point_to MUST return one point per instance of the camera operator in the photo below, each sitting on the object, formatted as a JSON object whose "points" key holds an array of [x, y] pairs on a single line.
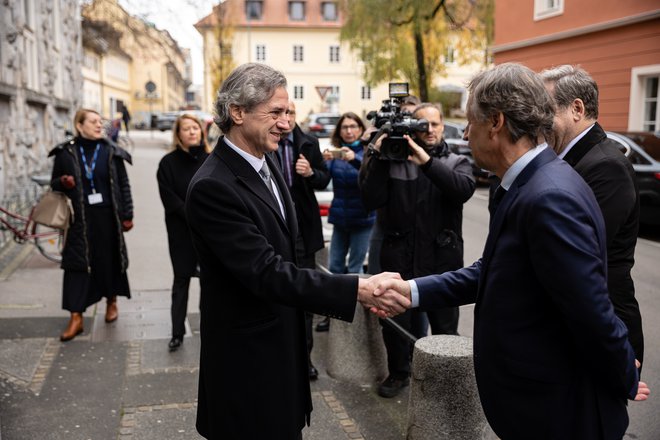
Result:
{"points": [[420, 212]]}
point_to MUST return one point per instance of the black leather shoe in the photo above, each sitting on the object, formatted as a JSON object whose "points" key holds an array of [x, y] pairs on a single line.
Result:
{"points": [[392, 387], [175, 343], [324, 325], [313, 372]]}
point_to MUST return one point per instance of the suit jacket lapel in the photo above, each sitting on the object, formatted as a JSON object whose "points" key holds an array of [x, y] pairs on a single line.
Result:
{"points": [[249, 178], [586, 143], [501, 213], [285, 195]]}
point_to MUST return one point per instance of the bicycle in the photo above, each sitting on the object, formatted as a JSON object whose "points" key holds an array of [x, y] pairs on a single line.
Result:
{"points": [[125, 142], [112, 129], [49, 241]]}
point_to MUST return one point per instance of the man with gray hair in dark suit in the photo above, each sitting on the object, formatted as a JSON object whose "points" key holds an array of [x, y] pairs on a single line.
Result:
{"points": [[580, 140], [253, 377]]}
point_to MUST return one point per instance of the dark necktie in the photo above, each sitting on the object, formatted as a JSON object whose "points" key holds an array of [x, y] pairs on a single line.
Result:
{"points": [[264, 172], [497, 198], [287, 160]]}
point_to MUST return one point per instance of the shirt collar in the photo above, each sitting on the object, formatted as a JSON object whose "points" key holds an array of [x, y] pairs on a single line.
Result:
{"points": [[575, 140], [520, 164], [254, 161]]}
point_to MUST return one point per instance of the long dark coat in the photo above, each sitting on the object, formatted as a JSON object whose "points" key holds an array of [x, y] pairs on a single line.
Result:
{"points": [[302, 190], [612, 179], [550, 355], [253, 378], [75, 255], [175, 171], [420, 210]]}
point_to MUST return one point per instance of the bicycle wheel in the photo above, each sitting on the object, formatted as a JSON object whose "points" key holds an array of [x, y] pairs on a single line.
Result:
{"points": [[49, 241]]}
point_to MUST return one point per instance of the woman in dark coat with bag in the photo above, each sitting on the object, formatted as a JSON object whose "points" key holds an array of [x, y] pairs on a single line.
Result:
{"points": [[175, 171], [90, 170]]}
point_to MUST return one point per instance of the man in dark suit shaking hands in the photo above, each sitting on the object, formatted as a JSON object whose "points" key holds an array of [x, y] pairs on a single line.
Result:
{"points": [[580, 141], [253, 379], [552, 360]]}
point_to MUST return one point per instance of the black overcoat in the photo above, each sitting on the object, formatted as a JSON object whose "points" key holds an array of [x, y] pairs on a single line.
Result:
{"points": [[253, 379], [420, 210], [175, 171], [75, 254], [611, 177], [302, 190]]}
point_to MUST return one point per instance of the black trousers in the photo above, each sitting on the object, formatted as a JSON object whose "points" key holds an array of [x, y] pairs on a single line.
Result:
{"points": [[399, 351], [180, 288]]}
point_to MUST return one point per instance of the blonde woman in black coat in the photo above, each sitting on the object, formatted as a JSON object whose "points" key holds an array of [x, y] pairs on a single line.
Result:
{"points": [[90, 170], [176, 169]]}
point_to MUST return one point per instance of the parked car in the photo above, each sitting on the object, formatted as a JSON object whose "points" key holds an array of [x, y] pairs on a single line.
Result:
{"points": [[460, 146], [320, 125], [166, 120], [453, 130], [643, 151]]}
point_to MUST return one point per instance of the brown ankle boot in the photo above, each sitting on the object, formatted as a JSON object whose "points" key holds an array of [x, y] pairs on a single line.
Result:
{"points": [[111, 312], [74, 328]]}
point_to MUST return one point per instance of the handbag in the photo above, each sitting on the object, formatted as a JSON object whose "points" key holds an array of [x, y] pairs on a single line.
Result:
{"points": [[54, 209]]}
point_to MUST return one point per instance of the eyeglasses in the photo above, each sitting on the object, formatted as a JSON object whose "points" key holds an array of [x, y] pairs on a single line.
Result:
{"points": [[350, 127]]}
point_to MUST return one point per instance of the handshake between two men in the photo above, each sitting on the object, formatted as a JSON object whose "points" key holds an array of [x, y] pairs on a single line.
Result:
{"points": [[385, 294]]}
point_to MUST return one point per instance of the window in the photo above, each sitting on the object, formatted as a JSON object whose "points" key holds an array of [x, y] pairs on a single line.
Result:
{"points": [[329, 11], [644, 107], [118, 68], [650, 122], [450, 55], [298, 54], [334, 91], [261, 52], [334, 54], [253, 9], [547, 8], [298, 92], [296, 11], [91, 61], [365, 93]]}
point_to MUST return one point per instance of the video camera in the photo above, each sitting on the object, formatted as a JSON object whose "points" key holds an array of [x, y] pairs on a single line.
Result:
{"points": [[391, 120]]}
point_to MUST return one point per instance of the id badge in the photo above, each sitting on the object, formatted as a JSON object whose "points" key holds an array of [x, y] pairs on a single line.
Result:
{"points": [[95, 198]]}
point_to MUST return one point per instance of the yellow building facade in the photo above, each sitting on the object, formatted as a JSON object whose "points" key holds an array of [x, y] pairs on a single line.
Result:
{"points": [[301, 43], [141, 55]]}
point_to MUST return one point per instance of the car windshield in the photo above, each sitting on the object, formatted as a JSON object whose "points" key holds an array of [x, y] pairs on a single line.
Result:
{"points": [[328, 120]]}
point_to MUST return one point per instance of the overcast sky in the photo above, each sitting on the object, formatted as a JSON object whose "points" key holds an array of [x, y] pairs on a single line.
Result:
{"points": [[177, 17]]}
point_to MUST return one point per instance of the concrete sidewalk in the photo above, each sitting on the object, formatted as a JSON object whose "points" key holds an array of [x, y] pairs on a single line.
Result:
{"points": [[118, 381]]}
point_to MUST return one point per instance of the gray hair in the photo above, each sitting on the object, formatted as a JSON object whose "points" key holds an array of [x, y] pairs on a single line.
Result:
{"points": [[519, 94], [571, 82], [247, 86], [424, 105]]}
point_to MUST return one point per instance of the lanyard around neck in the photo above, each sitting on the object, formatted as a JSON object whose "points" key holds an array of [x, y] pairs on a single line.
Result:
{"points": [[89, 169]]}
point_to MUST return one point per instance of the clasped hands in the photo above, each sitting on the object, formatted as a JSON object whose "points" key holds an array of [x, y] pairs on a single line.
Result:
{"points": [[385, 294]]}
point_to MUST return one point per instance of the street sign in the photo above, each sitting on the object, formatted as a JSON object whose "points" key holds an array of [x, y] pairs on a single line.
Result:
{"points": [[150, 86], [323, 91]]}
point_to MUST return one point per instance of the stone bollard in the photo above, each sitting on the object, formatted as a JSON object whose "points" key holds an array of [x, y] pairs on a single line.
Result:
{"points": [[356, 352], [444, 402]]}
